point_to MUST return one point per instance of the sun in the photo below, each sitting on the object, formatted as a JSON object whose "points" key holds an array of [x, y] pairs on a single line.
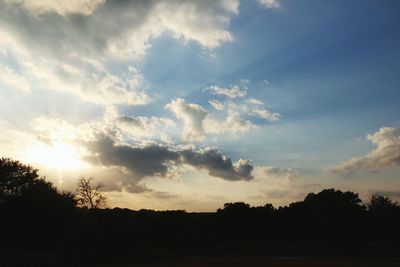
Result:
{"points": [[60, 156]]}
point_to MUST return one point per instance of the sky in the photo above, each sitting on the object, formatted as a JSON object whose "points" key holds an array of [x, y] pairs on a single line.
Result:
{"points": [[191, 104]]}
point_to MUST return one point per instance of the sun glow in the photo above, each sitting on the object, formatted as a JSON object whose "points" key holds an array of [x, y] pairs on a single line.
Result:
{"points": [[60, 156]]}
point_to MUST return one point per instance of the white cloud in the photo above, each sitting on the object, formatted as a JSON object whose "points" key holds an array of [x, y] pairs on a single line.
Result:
{"points": [[38, 7], [231, 125], [52, 130], [228, 117], [14, 79], [254, 101], [69, 53], [281, 184], [198, 124], [270, 3], [126, 26], [288, 173], [13, 141], [97, 85], [201, 21], [192, 116], [386, 154], [145, 127], [236, 102], [232, 92], [265, 114], [85, 78], [216, 104]]}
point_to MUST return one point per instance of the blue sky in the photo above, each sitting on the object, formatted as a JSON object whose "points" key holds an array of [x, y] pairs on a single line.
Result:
{"points": [[188, 104]]}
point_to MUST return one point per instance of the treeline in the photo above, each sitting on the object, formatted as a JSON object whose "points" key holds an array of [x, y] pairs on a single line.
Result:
{"points": [[35, 216]]}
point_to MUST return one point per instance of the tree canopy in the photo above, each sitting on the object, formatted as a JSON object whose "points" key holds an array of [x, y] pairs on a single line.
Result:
{"points": [[21, 186], [379, 203], [331, 199]]}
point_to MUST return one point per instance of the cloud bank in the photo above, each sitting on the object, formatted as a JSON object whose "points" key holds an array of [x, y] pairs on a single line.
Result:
{"points": [[63, 8], [57, 45]]}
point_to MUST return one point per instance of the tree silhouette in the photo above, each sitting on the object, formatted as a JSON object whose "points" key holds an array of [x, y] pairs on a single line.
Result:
{"points": [[329, 200], [89, 195], [21, 186], [379, 203], [15, 178], [236, 208]]}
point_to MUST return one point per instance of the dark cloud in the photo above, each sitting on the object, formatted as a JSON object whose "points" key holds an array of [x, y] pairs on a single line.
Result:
{"points": [[149, 160], [217, 164], [158, 160]]}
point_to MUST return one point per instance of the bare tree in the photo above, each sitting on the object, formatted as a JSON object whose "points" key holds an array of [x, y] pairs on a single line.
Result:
{"points": [[89, 195]]}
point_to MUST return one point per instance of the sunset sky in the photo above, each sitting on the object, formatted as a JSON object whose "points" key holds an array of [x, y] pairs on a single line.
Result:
{"points": [[190, 104]]}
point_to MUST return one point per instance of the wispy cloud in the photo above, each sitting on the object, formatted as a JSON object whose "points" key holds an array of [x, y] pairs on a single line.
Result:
{"points": [[265, 114], [270, 3], [14, 79], [232, 92]]}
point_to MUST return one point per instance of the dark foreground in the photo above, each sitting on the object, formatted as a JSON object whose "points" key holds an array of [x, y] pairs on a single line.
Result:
{"points": [[40, 226], [307, 233], [46, 259]]}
